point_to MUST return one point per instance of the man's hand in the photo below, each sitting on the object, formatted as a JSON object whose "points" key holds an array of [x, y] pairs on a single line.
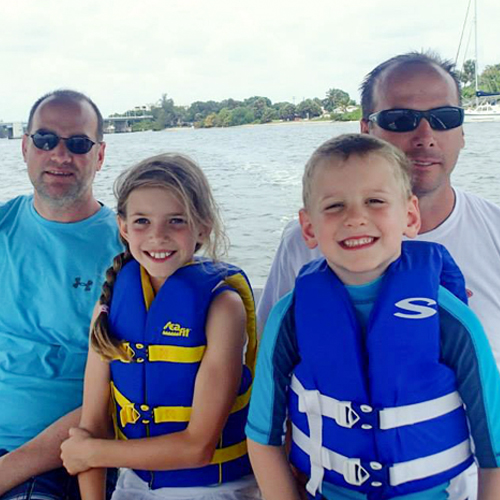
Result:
{"points": [[75, 451]]}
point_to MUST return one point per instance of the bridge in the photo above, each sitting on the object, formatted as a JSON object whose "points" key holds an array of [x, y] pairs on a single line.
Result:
{"points": [[112, 124], [119, 124]]}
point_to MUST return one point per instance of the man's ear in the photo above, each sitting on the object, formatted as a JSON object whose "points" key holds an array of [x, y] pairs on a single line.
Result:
{"points": [[24, 146], [307, 229], [123, 228], [100, 155], [364, 126], [413, 222]]}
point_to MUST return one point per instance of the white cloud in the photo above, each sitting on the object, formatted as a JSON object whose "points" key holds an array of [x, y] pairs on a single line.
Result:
{"points": [[126, 53]]}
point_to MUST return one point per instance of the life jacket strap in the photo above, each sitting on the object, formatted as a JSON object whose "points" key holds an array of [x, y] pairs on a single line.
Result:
{"points": [[138, 353], [357, 472], [240, 284], [175, 354], [223, 455], [347, 414], [129, 414]]}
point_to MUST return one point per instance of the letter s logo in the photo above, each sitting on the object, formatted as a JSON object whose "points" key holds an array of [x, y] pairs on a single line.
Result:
{"points": [[422, 311]]}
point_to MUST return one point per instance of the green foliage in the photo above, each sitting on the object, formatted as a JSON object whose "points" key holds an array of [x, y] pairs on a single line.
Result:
{"points": [[336, 98], [242, 115], [142, 125], [308, 109], [466, 76], [268, 115], [285, 110], [209, 121], [348, 116], [229, 112], [489, 80]]}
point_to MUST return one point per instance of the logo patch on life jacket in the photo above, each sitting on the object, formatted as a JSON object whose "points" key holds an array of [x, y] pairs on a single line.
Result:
{"points": [[416, 311], [175, 330]]}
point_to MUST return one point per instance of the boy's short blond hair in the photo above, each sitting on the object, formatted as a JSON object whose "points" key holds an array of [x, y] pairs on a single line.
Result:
{"points": [[342, 147]]}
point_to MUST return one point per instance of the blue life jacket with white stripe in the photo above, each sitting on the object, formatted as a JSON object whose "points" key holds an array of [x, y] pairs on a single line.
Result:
{"points": [[165, 337], [365, 406]]}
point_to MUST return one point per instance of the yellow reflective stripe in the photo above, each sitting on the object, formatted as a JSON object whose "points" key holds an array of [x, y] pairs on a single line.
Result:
{"points": [[147, 288], [241, 401], [112, 412], [128, 413], [230, 453], [162, 414], [119, 435], [176, 354], [240, 284]]}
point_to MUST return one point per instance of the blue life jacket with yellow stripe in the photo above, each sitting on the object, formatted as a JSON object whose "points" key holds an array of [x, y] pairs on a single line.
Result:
{"points": [[165, 336], [377, 411]]}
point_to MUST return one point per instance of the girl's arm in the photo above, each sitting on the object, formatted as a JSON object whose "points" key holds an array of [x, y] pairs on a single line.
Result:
{"points": [[272, 471], [95, 422], [215, 392], [489, 484]]}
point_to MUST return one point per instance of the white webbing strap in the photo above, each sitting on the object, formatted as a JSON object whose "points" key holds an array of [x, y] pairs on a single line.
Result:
{"points": [[350, 468], [419, 468], [340, 411], [389, 418], [310, 401], [430, 465]]}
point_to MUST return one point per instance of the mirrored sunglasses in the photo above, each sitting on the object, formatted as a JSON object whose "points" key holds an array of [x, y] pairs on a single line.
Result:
{"points": [[406, 120]]}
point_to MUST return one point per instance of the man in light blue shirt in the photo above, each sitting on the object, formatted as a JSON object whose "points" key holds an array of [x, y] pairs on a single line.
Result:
{"points": [[55, 246]]}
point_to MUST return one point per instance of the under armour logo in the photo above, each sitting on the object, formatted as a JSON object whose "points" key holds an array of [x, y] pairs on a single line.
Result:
{"points": [[78, 282]]}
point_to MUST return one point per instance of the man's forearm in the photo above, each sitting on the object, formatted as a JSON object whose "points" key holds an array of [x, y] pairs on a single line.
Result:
{"points": [[37, 456]]}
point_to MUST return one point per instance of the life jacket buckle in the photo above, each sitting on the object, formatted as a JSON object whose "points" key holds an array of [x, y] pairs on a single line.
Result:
{"points": [[345, 415], [354, 473]]}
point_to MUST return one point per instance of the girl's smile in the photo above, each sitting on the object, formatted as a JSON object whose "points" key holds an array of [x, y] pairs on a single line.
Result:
{"points": [[158, 232]]}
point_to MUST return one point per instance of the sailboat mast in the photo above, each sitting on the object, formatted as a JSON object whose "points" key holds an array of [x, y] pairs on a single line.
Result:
{"points": [[476, 66]]}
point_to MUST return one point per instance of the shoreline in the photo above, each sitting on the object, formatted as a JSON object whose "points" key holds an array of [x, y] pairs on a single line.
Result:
{"points": [[247, 125]]}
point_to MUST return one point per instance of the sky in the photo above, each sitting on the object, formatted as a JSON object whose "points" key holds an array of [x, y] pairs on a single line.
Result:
{"points": [[128, 53]]}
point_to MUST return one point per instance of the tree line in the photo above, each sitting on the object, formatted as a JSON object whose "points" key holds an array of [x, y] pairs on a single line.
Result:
{"points": [[232, 112], [336, 105], [488, 80]]}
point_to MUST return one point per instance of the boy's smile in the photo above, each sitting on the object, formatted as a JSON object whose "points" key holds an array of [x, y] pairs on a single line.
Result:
{"points": [[358, 215]]}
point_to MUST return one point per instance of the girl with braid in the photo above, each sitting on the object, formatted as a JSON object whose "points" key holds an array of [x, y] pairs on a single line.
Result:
{"points": [[172, 350]]}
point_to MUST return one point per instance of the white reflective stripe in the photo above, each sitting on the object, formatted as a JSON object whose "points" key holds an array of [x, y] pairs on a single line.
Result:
{"points": [[400, 473], [430, 465], [389, 418]]}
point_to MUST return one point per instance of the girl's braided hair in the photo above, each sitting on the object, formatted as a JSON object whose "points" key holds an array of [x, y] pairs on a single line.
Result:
{"points": [[184, 179]]}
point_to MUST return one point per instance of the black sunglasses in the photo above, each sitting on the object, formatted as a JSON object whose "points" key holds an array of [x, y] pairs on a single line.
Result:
{"points": [[406, 120], [76, 144]]}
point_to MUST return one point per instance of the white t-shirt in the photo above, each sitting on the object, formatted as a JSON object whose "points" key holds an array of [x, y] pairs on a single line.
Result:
{"points": [[471, 234]]}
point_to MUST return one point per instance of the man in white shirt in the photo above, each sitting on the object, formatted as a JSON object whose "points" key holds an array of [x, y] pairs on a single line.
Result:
{"points": [[413, 101]]}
